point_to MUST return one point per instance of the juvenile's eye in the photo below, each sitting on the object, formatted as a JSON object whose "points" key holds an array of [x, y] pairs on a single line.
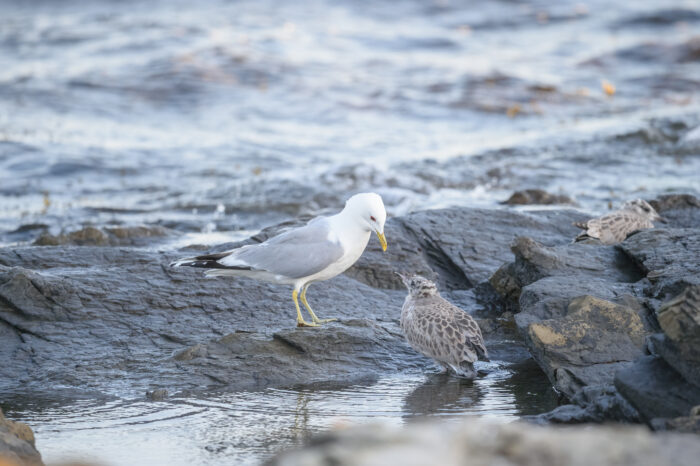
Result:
{"points": [[372, 218]]}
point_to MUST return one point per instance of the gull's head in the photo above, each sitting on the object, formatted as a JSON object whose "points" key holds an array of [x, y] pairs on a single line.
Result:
{"points": [[418, 286], [368, 210], [643, 209]]}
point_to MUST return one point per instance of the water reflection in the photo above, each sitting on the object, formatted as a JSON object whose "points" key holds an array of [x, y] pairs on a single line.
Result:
{"points": [[441, 394], [247, 427]]}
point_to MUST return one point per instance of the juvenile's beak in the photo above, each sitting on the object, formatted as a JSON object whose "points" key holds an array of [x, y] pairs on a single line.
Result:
{"points": [[661, 219], [382, 240]]}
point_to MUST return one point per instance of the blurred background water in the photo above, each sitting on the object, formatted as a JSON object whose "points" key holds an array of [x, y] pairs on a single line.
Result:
{"points": [[230, 115], [217, 118]]}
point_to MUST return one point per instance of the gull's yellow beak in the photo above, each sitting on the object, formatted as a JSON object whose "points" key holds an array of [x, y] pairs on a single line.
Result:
{"points": [[382, 240]]}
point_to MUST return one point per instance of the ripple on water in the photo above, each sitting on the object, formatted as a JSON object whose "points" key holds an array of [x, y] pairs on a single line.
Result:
{"points": [[250, 426]]}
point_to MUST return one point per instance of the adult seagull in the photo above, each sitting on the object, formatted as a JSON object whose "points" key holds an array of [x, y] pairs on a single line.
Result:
{"points": [[319, 250]]}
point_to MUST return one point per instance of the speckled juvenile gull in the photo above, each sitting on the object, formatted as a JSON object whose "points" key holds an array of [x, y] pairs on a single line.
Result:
{"points": [[614, 227], [440, 330], [319, 250]]}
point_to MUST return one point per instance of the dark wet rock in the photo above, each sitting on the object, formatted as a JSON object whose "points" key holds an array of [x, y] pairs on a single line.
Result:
{"points": [[571, 263], [157, 395], [438, 244], [584, 311], [469, 245], [565, 414], [679, 346], [668, 257], [113, 236], [131, 310], [549, 297], [662, 17], [587, 345], [344, 351], [598, 403], [673, 374], [108, 313], [479, 442], [537, 196], [17, 443], [679, 210], [656, 390]]}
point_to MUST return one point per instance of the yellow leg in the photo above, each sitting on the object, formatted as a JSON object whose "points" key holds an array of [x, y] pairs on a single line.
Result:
{"points": [[315, 319], [300, 320]]}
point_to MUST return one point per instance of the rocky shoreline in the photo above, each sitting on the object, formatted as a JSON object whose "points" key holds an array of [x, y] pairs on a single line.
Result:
{"points": [[615, 328]]}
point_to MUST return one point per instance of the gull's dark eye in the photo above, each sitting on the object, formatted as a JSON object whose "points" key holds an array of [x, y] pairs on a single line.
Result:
{"points": [[372, 218]]}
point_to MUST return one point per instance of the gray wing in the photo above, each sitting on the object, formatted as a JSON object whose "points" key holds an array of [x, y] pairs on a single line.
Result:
{"points": [[295, 253]]}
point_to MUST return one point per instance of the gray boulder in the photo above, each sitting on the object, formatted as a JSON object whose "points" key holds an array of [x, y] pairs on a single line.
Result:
{"points": [[668, 258], [119, 321], [679, 345], [656, 390], [587, 345]]}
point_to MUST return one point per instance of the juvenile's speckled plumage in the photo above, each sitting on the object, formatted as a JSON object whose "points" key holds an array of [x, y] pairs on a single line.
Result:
{"points": [[614, 227], [440, 330]]}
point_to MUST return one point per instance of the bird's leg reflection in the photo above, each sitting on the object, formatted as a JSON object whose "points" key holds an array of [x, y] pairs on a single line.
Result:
{"points": [[301, 417], [315, 319], [300, 320]]}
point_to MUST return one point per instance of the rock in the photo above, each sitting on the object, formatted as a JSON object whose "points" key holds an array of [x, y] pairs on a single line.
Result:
{"points": [[157, 394], [668, 258], [17, 443], [534, 261], [343, 351], [127, 308], [469, 245], [537, 196], [586, 346], [666, 387], [680, 346], [679, 210], [480, 442], [591, 404], [656, 390], [115, 236]]}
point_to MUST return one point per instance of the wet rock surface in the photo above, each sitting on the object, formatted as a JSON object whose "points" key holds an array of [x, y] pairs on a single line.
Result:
{"points": [[479, 442], [114, 236], [17, 443], [665, 386], [125, 322], [537, 196], [121, 314], [588, 312], [588, 344], [668, 258]]}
